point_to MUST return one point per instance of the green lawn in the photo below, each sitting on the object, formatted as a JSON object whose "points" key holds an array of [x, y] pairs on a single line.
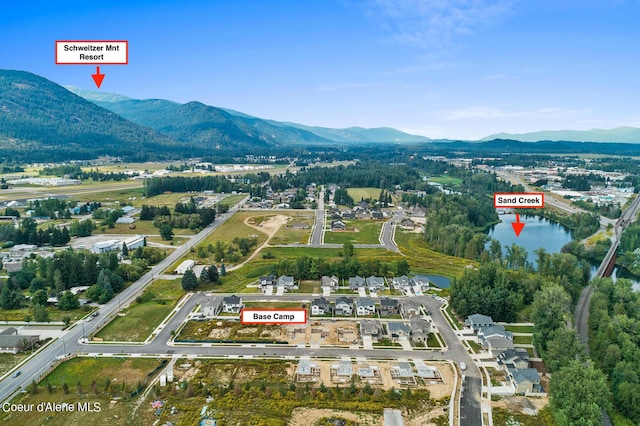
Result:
{"points": [[143, 227], [446, 180], [519, 328], [8, 361], [363, 193], [522, 340], [145, 314], [359, 231]]}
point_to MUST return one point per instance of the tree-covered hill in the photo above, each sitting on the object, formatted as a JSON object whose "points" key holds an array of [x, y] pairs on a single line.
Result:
{"points": [[42, 121]]}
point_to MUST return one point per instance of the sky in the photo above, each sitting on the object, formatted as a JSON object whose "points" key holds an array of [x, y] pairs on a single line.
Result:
{"points": [[457, 69]]}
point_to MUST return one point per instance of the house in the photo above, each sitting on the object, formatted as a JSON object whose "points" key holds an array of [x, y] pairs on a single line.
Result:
{"points": [[268, 280], [420, 281], [400, 282], [330, 282], [513, 358], [476, 321], [389, 307], [116, 245], [12, 342], [407, 223], [525, 380], [375, 283], [185, 266], [348, 214], [365, 307], [338, 225], [377, 214], [13, 266], [287, 282], [320, 306], [126, 220], [211, 307], [371, 328], [497, 344], [409, 308], [495, 330], [232, 304], [344, 306], [356, 283], [398, 329], [419, 329]]}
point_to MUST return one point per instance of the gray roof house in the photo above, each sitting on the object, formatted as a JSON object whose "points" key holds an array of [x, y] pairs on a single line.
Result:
{"points": [[371, 328], [389, 307], [12, 342], [268, 280], [398, 329], [476, 321], [409, 308], [375, 283], [365, 306], [356, 283], [320, 306], [331, 282], [344, 306], [232, 304], [400, 282], [287, 282], [526, 380], [421, 281], [513, 358], [338, 225], [419, 329]]}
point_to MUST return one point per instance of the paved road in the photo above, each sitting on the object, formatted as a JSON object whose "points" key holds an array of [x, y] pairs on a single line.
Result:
{"points": [[38, 365], [388, 231], [317, 234]]}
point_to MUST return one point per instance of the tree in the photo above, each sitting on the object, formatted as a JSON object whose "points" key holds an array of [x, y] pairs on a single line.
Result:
{"points": [[166, 232], [579, 393], [565, 346], [347, 249], [550, 310], [213, 274], [40, 313], [66, 320], [223, 270], [125, 250], [68, 301], [39, 298], [189, 281], [204, 276], [93, 293]]}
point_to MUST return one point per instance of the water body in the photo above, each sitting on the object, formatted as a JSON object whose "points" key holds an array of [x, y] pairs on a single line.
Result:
{"points": [[441, 282], [538, 232]]}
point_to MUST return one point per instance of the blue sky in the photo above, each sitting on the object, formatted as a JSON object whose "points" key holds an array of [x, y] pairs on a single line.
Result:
{"points": [[440, 68]]}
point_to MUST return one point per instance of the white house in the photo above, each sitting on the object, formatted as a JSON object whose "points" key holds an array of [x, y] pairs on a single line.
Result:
{"points": [[232, 304], [365, 307]]}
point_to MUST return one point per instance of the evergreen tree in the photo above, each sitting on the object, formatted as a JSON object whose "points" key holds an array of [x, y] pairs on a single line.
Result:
{"points": [[223, 270], [213, 274], [204, 276], [39, 298], [189, 281], [125, 250]]}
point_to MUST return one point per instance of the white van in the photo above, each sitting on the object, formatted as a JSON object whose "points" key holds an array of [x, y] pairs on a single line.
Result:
{"points": [[463, 366]]}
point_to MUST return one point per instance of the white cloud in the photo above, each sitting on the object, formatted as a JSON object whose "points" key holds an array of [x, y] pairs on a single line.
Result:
{"points": [[434, 24]]}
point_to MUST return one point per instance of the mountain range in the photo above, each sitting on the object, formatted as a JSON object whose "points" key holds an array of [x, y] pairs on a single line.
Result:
{"points": [[43, 121]]}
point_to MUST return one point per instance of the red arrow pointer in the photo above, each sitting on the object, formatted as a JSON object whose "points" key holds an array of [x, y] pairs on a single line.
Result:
{"points": [[517, 225], [97, 77]]}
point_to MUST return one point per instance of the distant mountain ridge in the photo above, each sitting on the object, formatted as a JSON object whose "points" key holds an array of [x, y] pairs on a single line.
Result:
{"points": [[618, 134], [41, 120], [149, 112]]}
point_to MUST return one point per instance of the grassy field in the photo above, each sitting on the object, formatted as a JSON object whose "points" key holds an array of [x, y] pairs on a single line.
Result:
{"points": [[446, 180], [364, 232], [143, 317], [123, 375], [288, 235], [8, 361], [522, 340], [363, 193], [55, 314], [423, 260], [143, 227]]}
